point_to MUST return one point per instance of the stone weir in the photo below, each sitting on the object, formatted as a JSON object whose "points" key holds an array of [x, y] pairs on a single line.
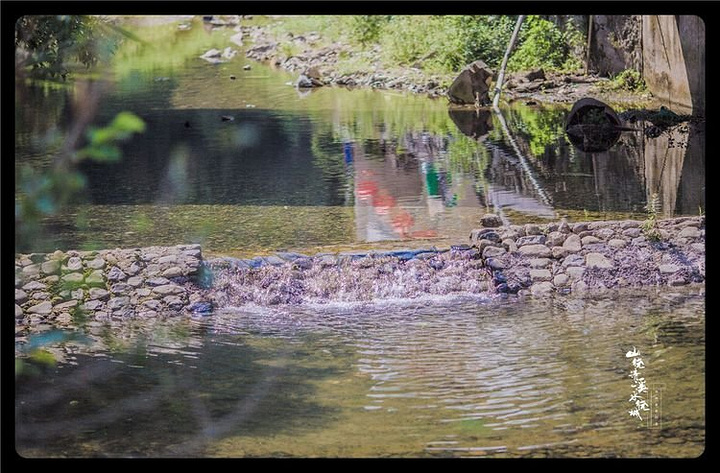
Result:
{"points": [[63, 287]]}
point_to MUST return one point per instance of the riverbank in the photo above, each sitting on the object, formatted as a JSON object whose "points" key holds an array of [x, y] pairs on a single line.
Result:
{"points": [[584, 258], [318, 63]]}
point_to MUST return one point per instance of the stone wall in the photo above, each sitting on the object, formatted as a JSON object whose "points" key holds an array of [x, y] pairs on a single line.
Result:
{"points": [[673, 56], [669, 51], [109, 284], [65, 288]]}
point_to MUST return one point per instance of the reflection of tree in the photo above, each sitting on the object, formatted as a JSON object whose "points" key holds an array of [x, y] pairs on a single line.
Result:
{"points": [[327, 155], [539, 128], [169, 404]]}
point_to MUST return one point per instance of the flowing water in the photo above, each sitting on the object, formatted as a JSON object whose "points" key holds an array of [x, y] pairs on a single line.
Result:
{"points": [[422, 378], [433, 376]]}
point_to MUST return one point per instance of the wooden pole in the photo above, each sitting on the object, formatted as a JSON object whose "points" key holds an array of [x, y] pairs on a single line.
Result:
{"points": [[589, 41], [501, 75]]}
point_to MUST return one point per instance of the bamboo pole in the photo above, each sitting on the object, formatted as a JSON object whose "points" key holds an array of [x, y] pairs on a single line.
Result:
{"points": [[501, 75], [589, 41]]}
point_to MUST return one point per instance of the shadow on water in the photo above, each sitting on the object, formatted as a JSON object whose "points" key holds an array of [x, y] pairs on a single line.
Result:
{"points": [[155, 400]]}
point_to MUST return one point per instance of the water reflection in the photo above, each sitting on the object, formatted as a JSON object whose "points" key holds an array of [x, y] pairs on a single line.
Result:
{"points": [[395, 166]]}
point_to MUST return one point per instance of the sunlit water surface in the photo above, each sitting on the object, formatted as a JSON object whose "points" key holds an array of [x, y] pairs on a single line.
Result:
{"points": [[414, 378], [333, 168]]}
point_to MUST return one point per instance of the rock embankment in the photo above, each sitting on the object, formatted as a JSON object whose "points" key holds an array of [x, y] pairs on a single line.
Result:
{"points": [[538, 260], [107, 284], [563, 257]]}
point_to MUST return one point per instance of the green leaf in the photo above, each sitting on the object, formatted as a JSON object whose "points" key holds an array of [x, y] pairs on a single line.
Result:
{"points": [[128, 122]]}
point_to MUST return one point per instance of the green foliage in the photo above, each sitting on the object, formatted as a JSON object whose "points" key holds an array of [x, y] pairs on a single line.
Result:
{"points": [[103, 142], [649, 226], [366, 29], [543, 45], [483, 37], [49, 44], [446, 43], [631, 80]]}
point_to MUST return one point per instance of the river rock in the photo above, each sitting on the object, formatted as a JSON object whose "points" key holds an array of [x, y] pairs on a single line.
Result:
{"points": [[135, 281], [158, 281], [532, 239], [580, 227], [116, 274], [558, 252], [617, 243], [73, 278], [98, 293], [50, 267], [532, 229], [589, 240], [575, 272], [18, 312], [555, 239], [168, 289], [44, 308], [97, 263], [597, 260], [509, 245], [31, 270], [540, 251], [172, 272], [689, 232], [539, 263], [632, 232], [471, 85], [116, 303], [34, 286], [152, 304], [66, 305], [561, 280], [20, 296], [541, 288], [540, 275], [668, 268], [74, 264], [572, 243], [95, 278], [490, 220], [493, 252], [495, 263]]}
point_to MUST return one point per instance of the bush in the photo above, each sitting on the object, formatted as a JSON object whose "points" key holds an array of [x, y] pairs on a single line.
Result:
{"points": [[366, 29], [543, 45]]}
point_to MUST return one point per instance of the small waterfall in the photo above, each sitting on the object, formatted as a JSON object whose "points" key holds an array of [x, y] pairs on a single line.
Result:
{"points": [[348, 278]]}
